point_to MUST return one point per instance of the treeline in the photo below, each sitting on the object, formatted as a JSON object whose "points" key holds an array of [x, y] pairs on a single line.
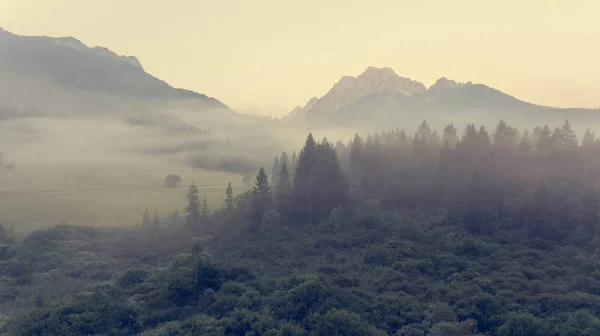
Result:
{"points": [[544, 181]]}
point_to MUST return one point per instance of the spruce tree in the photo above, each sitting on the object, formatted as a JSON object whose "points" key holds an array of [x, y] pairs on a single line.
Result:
{"points": [[545, 142], [284, 158], [450, 136], [193, 208], [483, 139], [204, 210], [525, 146], [468, 143], [304, 180], [568, 140], [424, 131], [283, 191], [357, 164], [293, 165], [320, 184], [229, 204], [589, 139], [275, 171], [334, 185], [261, 196]]}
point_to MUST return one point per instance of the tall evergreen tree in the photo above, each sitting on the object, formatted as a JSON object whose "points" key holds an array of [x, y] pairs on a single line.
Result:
{"points": [[229, 203], [275, 171], [568, 140], [589, 139], [505, 136], [320, 185], [261, 196], [293, 165], [283, 191], [193, 207], [450, 136], [483, 139], [357, 164], [424, 131], [284, 159], [334, 186], [304, 181], [525, 146], [545, 142], [204, 210]]}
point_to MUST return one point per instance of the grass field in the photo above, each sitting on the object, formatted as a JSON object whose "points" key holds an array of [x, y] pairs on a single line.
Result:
{"points": [[111, 195]]}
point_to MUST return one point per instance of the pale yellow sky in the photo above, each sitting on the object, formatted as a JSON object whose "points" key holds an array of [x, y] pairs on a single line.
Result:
{"points": [[267, 56]]}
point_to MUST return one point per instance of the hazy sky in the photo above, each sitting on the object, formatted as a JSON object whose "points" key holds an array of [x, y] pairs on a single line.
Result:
{"points": [[267, 56]]}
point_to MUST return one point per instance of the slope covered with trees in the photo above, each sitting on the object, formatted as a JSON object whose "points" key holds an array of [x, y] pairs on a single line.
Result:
{"points": [[479, 233]]}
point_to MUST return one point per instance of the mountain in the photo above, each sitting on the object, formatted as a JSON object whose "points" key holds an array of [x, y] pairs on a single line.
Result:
{"points": [[39, 73], [94, 104], [380, 99]]}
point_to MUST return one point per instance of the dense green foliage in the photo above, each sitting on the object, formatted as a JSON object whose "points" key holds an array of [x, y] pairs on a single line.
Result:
{"points": [[390, 235]]}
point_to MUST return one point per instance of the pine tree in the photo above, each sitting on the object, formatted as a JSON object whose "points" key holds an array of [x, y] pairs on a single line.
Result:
{"points": [[293, 165], [525, 146], [304, 182], [545, 143], [505, 136], [483, 139], [320, 184], [229, 204], [589, 139], [283, 191], [334, 186], [468, 143], [261, 196], [193, 208], [450, 136], [284, 159], [275, 171], [357, 165], [146, 218], [568, 140], [424, 131], [204, 210]]}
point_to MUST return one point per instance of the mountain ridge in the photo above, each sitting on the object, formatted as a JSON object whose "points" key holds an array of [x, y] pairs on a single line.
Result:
{"points": [[379, 96], [69, 63]]}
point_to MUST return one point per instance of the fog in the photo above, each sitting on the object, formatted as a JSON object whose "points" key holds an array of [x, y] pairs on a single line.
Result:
{"points": [[166, 134]]}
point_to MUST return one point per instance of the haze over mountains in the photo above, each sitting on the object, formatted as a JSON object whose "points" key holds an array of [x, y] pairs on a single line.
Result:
{"points": [[39, 73], [64, 78], [379, 99], [62, 100]]}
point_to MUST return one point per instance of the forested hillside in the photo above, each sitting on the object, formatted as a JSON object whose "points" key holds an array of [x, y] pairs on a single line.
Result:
{"points": [[480, 233]]}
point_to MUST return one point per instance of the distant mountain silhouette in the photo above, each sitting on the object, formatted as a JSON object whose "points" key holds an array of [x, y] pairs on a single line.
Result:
{"points": [[38, 68], [379, 99]]}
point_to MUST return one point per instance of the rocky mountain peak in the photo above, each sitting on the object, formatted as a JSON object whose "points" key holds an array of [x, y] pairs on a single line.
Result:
{"points": [[445, 83], [372, 81]]}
